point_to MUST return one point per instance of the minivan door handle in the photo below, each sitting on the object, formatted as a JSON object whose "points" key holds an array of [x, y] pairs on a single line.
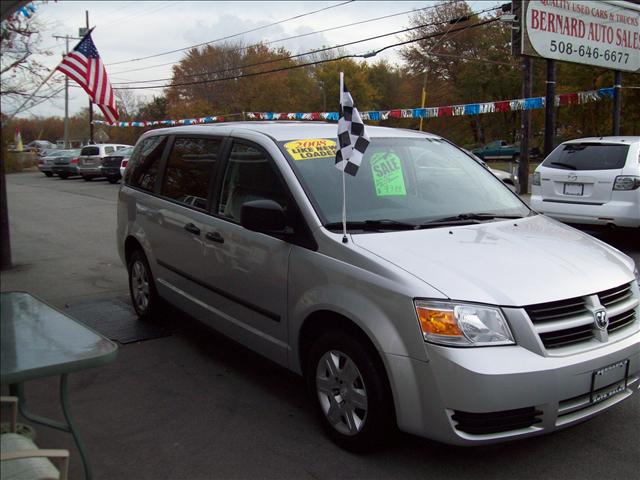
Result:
{"points": [[214, 237], [191, 228]]}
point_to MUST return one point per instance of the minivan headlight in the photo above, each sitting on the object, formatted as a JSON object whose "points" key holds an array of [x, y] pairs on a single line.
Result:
{"points": [[462, 325]]}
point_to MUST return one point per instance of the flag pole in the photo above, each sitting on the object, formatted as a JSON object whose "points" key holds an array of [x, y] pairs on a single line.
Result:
{"points": [[344, 183], [19, 109]]}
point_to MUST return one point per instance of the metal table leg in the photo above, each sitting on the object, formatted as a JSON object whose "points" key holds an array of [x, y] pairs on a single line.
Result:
{"points": [[69, 426]]}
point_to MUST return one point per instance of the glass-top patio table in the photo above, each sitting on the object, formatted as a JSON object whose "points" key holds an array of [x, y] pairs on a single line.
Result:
{"points": [[38, 341]]}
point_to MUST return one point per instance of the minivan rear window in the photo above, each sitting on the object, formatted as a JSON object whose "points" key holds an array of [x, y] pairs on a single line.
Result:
{"points": [[588, 156], [90, 151]]}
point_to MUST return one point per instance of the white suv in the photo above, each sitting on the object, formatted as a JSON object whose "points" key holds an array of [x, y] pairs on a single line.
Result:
{"points": [[591, 181], [91, 157]]}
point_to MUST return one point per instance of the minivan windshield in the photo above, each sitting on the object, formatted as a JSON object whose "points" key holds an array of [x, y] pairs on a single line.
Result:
{"points": [[402, 183], [587, 156]]}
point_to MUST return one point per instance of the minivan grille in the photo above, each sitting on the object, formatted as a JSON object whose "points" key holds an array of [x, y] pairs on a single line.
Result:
{"points": [[544, 312], [568, 322], [567, 336], [622, 320], [611, 297], [495, 422]]}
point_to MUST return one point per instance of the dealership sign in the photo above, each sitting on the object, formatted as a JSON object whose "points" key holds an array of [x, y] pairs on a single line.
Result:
{"points": [[587, 32]]}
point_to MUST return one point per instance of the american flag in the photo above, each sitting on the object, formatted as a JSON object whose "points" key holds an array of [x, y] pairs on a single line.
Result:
{"points": [[352, 139], [83, 64]]}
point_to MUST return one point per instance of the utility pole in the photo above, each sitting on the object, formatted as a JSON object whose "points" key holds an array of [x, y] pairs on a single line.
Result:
{"points": [[550, 108], [424, 94], [66, 91], [617, 85], [525, 127], [90, 102]]}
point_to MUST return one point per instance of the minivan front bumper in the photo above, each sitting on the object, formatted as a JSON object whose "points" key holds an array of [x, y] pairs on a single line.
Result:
{"points": [[472, 396]]}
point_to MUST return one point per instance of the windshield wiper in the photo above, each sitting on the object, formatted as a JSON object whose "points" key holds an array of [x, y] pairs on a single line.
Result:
{"points": [[562, 164], [465, 219], [374, 225]]}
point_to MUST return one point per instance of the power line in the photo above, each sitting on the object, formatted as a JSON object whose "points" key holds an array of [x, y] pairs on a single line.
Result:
{"points": [[301, 35], [325, 49], [128, 18], [232, 36], [318, 62]]}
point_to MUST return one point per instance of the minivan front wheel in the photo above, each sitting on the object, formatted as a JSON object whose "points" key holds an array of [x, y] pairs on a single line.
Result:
{"points": [[141, 286], [350, 392]]}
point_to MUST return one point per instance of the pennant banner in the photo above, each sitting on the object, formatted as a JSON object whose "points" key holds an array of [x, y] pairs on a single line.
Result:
{"points": [[533, 103]]}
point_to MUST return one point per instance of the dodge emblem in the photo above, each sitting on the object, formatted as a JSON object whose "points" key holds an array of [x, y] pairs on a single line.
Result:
{"points": [[601, 320]]}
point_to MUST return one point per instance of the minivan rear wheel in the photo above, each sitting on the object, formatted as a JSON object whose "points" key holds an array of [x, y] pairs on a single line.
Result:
{"points": [[350, 393], [144, 296]]}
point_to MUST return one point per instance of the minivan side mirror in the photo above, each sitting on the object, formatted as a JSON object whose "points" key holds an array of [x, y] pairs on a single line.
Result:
{"points": [[264, 216]]}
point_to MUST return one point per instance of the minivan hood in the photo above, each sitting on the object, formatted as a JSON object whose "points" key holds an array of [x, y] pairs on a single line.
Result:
{"points": [[508, 263]]}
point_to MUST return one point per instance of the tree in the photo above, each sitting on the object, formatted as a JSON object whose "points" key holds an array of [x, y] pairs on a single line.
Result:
{"points": [[20, 73], [471, 65]]}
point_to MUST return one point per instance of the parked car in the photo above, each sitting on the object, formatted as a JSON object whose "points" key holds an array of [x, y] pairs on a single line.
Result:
{"points": [[507, 178], [91, 156], [111, 164], [419, 316], [66, 165], [592, 181], [123, 166], [501, 150], [38, 146], [45, 164]]}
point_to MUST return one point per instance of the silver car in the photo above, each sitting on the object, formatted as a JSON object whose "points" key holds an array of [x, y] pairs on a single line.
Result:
{"points": [[449, 309], [47, 162]]}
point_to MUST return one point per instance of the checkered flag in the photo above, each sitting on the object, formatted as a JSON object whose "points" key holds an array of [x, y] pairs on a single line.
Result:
{"points": [[352, 138]]}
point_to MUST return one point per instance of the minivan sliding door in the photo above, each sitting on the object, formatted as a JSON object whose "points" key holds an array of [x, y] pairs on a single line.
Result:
{"points": [[179, 233]]}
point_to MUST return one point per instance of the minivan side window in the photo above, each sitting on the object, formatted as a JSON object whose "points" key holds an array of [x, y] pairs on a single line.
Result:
{"points": [[108, 150], [190, 169], [144, 163], [250, 175]]}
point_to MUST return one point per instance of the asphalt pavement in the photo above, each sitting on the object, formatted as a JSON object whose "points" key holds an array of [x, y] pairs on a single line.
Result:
{"points": [[191, 404]]}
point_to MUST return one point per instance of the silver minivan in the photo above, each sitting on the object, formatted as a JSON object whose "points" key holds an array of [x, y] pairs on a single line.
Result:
{"points": [[449, 309]]}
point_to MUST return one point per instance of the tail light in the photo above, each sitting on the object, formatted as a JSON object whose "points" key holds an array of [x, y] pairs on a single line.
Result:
{"points": [[536, 178], [124, 163], [626, 182], [74, 161]]}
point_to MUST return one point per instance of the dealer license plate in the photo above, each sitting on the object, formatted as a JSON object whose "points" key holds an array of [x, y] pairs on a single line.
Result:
{"points": [[609, 381], [576, 189]]}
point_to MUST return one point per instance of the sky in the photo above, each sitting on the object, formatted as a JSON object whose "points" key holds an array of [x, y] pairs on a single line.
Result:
{"points": [[129, 30]]}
